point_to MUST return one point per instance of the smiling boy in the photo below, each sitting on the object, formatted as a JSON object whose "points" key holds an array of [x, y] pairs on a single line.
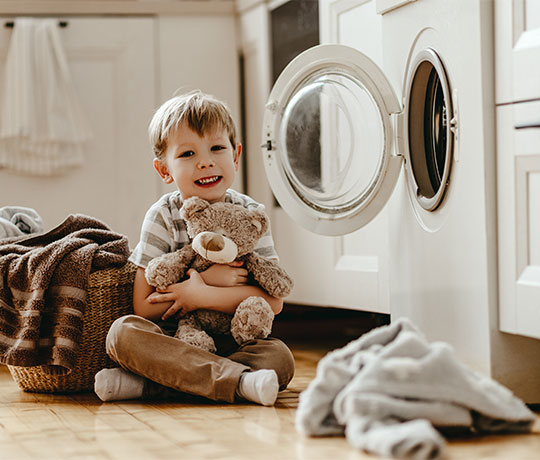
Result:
{"points": [[195, 147]]}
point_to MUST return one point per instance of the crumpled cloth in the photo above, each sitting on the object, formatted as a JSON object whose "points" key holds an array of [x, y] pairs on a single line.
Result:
{"points": [[43, 290], [17, 221], [390, 389]]}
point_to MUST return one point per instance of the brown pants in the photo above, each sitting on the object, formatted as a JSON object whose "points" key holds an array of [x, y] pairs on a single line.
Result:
{"points": [[142, 347]]}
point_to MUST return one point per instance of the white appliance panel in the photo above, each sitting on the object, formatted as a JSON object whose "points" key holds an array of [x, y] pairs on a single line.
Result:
{"points": [[442, 280]]}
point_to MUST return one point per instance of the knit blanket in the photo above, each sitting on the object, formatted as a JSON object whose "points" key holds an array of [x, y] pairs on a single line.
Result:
{"points": [[390, 389], [43, 288]]}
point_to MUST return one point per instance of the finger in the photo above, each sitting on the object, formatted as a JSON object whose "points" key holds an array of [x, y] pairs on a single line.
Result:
{"points": [[152, 298], [236, 263], [158, 298], [242, 272], [172, 311]]}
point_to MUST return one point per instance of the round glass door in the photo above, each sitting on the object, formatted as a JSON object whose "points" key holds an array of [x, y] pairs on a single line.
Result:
{"points": [[329, 139], [322, 124]]}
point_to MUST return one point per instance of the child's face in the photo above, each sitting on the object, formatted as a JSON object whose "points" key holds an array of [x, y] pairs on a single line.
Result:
{"points": [[199, 166]]}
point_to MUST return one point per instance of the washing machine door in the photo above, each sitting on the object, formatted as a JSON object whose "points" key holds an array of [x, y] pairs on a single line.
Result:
{"points": [[329, 133]]}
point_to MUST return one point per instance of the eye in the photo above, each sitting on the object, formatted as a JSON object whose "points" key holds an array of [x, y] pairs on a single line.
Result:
{"points": [[217, 148], [187, 154]]}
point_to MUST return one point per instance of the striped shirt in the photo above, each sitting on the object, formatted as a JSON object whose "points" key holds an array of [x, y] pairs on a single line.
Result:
{"points": [[163, 230]]}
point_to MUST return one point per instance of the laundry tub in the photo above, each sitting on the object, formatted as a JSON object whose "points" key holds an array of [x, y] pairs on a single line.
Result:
{"points": [[110, 296]]}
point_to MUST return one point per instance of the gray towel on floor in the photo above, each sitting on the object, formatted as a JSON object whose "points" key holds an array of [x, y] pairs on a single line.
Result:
{"points": [[388, 389], [17, 221]]}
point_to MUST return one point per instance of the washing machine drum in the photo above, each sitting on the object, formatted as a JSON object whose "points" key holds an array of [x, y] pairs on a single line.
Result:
{"points": [[335, 136]]}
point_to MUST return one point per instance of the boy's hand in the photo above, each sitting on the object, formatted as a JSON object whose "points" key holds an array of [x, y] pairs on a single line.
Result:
{"points": [[184, 295], [226, 275]]}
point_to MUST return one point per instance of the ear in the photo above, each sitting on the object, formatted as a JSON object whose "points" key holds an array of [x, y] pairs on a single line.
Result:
{"points": [[236, 156], [163, 171], [260, 220], [192, 206]]}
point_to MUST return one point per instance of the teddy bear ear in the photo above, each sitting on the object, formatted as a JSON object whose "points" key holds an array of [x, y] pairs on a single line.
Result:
{"points": [[192, 206], [260, 220]]}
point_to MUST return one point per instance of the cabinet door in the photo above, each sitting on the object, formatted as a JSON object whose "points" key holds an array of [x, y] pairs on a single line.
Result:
{"points": [[517, 50], [358, 262], [519, 168], [349, 271], [111, 61]]}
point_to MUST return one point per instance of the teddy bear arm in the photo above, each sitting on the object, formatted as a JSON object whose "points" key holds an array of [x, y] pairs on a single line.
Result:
{"points": [[169, 268], [269, 275]]}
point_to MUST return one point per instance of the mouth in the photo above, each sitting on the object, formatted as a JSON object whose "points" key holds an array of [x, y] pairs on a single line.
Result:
{"points": [[208, 181]]}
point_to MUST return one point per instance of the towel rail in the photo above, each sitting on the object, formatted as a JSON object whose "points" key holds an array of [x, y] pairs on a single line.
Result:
{"points": [[11, 24]]}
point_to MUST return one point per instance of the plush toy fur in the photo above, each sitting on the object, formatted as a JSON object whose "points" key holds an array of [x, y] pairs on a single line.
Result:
{"points": [[222, 232]]}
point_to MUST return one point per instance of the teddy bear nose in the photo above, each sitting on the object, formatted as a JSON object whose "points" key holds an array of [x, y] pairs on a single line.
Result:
{"points": [[212, 242]]}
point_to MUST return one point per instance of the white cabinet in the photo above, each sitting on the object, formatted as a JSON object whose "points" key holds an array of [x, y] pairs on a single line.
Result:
{"points": [[122, 69], [111, 63], [518, 156], [347, 271], [358, 262]]}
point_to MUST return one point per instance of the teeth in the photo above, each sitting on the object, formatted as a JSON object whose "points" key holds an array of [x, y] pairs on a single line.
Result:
{"points": [[208, 180]]}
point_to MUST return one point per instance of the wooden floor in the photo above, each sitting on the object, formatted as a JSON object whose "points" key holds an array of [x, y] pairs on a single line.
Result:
{"points": [[40, 426]]}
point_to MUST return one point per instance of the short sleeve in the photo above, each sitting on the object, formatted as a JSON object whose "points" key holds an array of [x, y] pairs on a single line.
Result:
{"points": [[265, 246], [156, 237]]}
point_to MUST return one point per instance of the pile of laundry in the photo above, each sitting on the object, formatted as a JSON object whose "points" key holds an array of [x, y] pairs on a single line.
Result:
{"points": [[18, 221], [44, 284], [392, 394]]}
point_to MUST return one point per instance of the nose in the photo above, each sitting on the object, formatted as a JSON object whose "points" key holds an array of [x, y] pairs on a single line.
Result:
{"points": [[212, 241], [205, 161]]}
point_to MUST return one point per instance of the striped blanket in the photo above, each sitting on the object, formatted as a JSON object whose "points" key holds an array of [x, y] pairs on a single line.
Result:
{"points": [[43, 286]]}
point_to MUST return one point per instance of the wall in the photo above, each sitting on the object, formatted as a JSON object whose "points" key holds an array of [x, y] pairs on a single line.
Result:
{"points": [[123, 68]]}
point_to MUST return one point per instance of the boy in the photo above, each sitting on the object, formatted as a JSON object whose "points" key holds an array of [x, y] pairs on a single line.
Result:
{"points": [[195, 147]]}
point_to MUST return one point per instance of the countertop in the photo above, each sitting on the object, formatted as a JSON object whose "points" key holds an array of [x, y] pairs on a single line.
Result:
{"points": [[115, 7]]}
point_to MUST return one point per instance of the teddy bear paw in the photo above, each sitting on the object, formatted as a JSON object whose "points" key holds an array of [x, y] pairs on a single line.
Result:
{"points": [[285, 285], [252, 320], [282, 289], [278, 286], [198, 339], [158, 274]]}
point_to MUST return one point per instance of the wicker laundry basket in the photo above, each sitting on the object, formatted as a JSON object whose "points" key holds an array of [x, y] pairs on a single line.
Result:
{"points": [[110, 295]]}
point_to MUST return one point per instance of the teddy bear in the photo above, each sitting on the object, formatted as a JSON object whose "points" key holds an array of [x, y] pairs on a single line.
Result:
{"points": [[221, 233]]}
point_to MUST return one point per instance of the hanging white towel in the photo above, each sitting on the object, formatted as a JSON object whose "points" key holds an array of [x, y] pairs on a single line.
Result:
{"points": [[42, 127]]}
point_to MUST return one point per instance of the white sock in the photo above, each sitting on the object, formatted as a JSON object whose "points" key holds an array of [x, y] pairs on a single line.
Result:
{"points": [[260, 386], [117, 384]]}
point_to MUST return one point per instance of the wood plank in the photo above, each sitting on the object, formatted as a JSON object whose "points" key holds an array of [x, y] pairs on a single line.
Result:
{"points": [[38, 426]]}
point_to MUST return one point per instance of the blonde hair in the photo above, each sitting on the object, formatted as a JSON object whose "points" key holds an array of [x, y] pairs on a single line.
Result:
{"points": [[202, 112]]}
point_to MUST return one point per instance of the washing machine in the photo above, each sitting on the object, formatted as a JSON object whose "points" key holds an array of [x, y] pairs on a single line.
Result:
{"points": [[344, 138]]}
